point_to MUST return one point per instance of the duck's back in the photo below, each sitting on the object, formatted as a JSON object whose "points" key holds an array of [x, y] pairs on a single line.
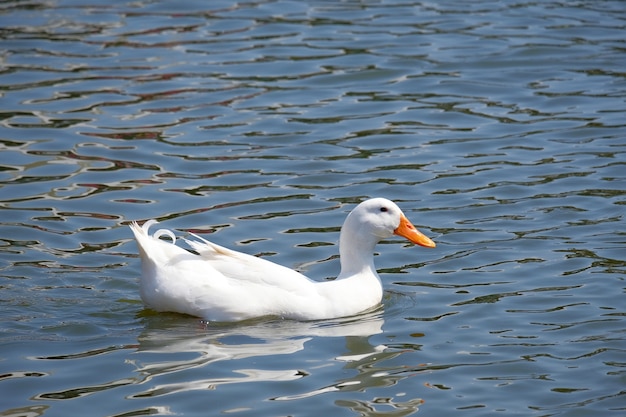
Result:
{"points": [[218, 284]]}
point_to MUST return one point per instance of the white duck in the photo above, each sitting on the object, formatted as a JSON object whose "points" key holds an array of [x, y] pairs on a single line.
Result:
{"points": [[220, 284]]}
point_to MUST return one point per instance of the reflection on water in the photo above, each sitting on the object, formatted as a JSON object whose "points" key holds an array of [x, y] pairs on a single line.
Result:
{"points": [[498, 128], [240, 343], [165, 351]]}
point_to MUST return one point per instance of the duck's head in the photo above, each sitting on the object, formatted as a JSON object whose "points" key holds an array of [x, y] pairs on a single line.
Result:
{"points": [[382, 218]]}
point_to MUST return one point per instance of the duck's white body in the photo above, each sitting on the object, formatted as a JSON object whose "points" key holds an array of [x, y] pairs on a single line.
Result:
{"points": [[220, 284]]}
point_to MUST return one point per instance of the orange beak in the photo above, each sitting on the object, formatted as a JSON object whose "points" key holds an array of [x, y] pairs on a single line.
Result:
{"points": [[408, 231]]}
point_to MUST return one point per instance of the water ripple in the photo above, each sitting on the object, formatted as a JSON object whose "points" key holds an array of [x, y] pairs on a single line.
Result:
{"points": [[498, 127]]}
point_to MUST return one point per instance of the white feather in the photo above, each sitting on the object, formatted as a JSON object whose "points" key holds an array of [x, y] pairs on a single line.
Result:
{"points": [[221, 284]]}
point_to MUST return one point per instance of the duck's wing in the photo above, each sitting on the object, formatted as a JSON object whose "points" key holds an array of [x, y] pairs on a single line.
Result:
{"points": [[241, 266]]}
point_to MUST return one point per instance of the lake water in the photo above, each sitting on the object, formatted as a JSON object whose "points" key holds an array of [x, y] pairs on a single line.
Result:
{"points": [[498, 127]]}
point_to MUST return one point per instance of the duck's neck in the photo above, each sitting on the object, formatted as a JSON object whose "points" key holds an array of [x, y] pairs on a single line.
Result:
{"points": [[358, 286], [356, 252]]}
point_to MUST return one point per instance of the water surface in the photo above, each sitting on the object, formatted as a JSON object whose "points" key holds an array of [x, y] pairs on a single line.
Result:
{"points": [[498, 127]]}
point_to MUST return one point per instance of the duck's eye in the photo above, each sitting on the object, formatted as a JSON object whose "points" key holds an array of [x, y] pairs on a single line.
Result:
{"points": [[384, 209]]}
